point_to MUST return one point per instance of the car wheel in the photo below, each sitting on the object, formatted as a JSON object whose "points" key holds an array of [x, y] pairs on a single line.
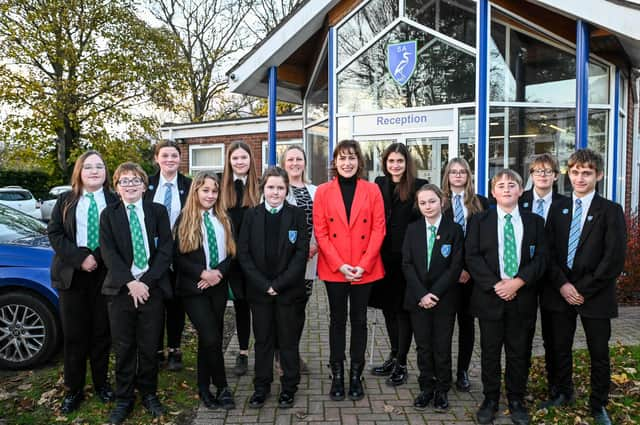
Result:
{"points": [[29, 331]]}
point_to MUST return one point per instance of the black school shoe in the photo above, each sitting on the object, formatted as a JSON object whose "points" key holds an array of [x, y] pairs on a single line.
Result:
{"points": [[105, 393], [122, 410], [487, 411], [242, 365], [385, 368], [258, 399], [208, 399], [422, 401], [174, 362], [462, 381], [225, 399], [441, 401], [71, 402], [600, 416], [152, 404], [398, 376], [519, 413], [285, 400]]}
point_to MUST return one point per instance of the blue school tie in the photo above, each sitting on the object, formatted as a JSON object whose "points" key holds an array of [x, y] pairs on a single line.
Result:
{"points": [[459, 212], [509, 255], [92, 223], [540, 207], [168, 197], [574, 233]]}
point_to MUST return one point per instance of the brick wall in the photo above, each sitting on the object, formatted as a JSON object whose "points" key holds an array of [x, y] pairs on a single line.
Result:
{"points": [[253, 140]]}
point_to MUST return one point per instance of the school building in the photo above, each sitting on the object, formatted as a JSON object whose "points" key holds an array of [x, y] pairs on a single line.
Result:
{"points": [[495, 82]]}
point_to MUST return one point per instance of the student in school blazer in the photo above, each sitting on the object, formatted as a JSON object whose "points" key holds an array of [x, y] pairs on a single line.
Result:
{"points": [[184, 183], [115, 240]]}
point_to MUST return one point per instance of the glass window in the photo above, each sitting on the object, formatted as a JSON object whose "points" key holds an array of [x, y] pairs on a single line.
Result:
{"points": [[538, 71], [454, 18], [517, 134], [317, 98], [317, 149], [206, 158], [443, 75], [344, 128], [467, 136], [363, 26]]}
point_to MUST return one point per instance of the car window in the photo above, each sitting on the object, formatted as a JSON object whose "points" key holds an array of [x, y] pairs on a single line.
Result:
{"points": [[15, 195], [15, 225]]}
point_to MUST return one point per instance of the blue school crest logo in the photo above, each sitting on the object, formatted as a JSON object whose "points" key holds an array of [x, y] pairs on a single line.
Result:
{"points": [[532, 250], [293, 236], [565, 211], [525, 205], [401, 60], [445, 250]]}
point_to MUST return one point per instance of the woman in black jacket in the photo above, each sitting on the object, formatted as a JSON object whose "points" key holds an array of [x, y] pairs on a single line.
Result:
{"points": [[398, 187], [77, 272], [204, 246]]}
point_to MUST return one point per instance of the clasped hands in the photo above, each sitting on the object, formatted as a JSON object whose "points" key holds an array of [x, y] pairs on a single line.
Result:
{"points": [[139, 291], [571, 294], [507, 289], [428, 301], [89, 264], [209, 278], [351, 273]]}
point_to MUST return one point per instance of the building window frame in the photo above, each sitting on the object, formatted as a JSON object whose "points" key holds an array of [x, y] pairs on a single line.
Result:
{"points": [[193, 169]]}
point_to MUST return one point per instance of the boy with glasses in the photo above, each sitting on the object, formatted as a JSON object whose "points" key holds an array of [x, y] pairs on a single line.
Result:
{"points": [[544, 172], [136, 243], [587, 244]]}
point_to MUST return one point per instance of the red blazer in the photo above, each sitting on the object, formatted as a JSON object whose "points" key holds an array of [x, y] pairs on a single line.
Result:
{"points": [[356, 243]]}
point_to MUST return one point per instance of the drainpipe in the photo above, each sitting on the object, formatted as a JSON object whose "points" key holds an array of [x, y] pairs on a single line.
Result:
{"points": [[635, 142]]}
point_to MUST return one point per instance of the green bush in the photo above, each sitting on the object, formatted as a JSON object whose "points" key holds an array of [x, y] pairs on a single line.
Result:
{"points": [[38, 182]]}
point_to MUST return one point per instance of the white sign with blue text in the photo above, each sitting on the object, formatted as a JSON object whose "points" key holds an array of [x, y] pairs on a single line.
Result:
{"points": [[403, 122]]}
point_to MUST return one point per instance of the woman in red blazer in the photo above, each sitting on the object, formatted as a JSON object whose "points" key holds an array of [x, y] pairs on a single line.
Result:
{"points": [[349, 224]]}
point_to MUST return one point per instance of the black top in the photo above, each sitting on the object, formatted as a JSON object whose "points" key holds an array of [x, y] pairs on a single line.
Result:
{"points": [[348, 189]]}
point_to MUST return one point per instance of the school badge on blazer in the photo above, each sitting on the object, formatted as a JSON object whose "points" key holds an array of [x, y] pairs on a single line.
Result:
{"points": [[532, 250], [293, 236], [445, 250]]}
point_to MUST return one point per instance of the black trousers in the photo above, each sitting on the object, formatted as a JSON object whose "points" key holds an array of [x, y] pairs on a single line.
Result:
{"points": [[433, 333], [398, 324], [243, 322], [356, 297], [135, 340], [172, 319], [466, 328], [284, 322], [546, 325], [206, 312], [512, 332], [85, 325], [598, 332]]}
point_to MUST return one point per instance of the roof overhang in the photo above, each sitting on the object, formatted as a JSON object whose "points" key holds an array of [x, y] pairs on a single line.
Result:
{"points": [[248, 77], [242, 126]]}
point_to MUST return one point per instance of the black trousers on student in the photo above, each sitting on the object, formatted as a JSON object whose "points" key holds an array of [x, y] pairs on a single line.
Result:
{"points": [[172, 319], [283, 322], [243, 322], [135, 339], [85, 325], [341, 295], [546, 325], [466, 328], [598, 332], [206, 312], [512, 332], [433, 334], [398, 324]]}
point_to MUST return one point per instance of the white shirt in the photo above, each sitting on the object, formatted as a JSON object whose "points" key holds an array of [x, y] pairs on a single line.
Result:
{"points": [[243, 178], [586, 204], [82, 214], [158, 198], [518, 230], [546, 199], [453, 206], [135, 271], [221, 238], [269, 207]]}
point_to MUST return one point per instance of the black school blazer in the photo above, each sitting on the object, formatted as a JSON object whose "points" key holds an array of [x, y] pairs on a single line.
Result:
{"points": [[292, 254], [481, 258], [184, 183], [526, 200], [117, 250], [599, 258], [68, 256], [190, 265], [446, 264]]}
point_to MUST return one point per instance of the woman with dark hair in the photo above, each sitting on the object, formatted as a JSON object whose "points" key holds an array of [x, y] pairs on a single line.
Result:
{"points": [[348, 219], [77, 272], [461, 202], [239, 192], [169, 187], [398, 187], [204, 246]]}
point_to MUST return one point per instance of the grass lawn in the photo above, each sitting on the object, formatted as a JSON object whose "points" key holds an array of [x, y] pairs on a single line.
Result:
{"points": [[624, 401]]}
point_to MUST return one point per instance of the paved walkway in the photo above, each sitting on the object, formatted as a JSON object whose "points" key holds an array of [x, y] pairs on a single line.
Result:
{"points": [[382, 404]]}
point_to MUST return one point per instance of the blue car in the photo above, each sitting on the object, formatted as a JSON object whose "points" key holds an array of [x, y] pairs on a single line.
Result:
{"points": [[30, 330]]}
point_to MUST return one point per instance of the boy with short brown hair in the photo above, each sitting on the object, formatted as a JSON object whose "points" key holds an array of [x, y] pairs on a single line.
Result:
{"points": [[587, 241]]}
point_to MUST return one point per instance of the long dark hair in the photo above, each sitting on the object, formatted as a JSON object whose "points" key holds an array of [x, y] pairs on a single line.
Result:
{"points": [[408, 180]]}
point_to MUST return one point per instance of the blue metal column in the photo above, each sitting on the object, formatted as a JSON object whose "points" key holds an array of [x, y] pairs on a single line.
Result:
{"points": [[582, 84], [331, 51], [616, 140], [272, 101], [482, 97]]}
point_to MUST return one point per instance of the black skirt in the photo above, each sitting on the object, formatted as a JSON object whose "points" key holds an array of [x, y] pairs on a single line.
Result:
{"points": [[388, 292]]}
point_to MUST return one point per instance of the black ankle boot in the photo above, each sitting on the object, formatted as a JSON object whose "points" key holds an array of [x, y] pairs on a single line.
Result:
{"points": [[356, 392], [337, 381]]}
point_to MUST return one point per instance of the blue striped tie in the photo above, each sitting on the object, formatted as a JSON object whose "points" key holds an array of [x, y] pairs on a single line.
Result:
{"points": [[167, 197], [540, 207], [459, 213], [574, 233]]}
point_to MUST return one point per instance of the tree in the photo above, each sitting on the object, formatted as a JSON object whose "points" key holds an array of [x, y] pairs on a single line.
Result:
{"points": [[75, 68], [269, 13], [208, 36]]}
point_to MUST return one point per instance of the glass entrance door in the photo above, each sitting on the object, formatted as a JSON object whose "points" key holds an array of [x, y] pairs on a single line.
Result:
{"points": [[431, 154]]}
